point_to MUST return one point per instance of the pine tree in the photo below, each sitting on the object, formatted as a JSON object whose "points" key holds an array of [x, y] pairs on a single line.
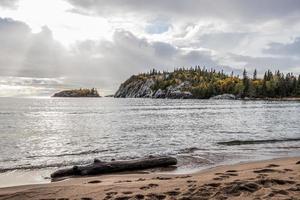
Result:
{"points": [[298, 87], [255, 75], [246, 84]]}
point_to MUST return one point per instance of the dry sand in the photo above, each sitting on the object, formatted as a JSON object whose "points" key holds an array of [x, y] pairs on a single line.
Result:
{"points": [[272, 179]]}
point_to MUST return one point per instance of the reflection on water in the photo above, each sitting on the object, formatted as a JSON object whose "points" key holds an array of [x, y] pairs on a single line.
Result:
{"points": [[39, 133]]}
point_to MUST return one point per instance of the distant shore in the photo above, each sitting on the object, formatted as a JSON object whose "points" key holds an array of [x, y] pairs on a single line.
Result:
{"points": [[277, 178]]}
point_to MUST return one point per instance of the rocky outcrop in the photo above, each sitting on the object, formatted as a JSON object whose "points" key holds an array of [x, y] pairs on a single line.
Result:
{"points": [[78, 93], [136, 87], [224, 97], [179, 91], [159, 94], [140, 87]]}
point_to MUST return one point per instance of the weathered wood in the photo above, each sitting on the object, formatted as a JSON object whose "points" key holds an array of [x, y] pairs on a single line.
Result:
{"points": [[99, 167]]}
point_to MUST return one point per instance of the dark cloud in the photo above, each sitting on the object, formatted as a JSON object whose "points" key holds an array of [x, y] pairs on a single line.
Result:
{"points": [[292, 48], [224, 9]]}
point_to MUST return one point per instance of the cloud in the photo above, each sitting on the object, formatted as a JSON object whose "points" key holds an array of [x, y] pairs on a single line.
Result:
{"points": [[111, 62], [158, 26], [224, 9], [24, 53], [8, 3], [284, 64], [291, 48], [89, 63], [28, 86]]}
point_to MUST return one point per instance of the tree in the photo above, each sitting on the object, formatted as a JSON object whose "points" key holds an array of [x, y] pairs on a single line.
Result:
{"points": [[255, 75], [246, 84], [298, 87]]}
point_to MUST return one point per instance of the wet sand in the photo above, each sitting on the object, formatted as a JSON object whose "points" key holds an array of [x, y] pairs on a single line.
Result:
{"points": [[272, 179]]}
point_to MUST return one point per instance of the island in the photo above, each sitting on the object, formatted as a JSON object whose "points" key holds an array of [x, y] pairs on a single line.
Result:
{"points": [[78, 93], [202, 83]]}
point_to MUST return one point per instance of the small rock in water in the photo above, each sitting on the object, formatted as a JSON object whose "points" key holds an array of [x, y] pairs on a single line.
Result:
{"points": [[224, 97]]}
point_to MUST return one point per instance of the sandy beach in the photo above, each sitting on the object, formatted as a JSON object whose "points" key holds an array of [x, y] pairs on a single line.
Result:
{"points": [[271, 179]]}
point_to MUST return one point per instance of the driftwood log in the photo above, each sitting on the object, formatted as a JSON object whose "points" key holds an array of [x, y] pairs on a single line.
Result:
{"points": [[99, 167]]}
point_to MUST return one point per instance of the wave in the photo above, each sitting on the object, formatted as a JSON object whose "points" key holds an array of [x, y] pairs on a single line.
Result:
{"points": [[245, 142], [189, 150], [32, 167], [70, 154]]}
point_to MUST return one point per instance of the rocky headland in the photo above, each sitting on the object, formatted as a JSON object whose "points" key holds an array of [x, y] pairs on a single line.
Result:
{"points": [[200, 83], [78, 93], [143, 87]]}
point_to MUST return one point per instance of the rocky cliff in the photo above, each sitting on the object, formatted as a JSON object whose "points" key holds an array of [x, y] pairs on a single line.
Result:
{"points": [[146, 87]]}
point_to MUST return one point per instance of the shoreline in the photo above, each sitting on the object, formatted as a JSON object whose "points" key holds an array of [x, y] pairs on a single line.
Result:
{"points": [[268, 178]]}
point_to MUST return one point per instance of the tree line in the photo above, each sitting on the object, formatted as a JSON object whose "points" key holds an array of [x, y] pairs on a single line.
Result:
{"points": [[206, 83]]}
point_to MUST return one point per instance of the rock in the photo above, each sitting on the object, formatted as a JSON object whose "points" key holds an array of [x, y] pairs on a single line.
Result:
{"points": [[135, 87], [159, 94], [78, 93], [177, 94], [139, 87], [224, 97]]}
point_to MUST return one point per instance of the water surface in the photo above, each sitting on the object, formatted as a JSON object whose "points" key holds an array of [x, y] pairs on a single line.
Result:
{"points": [[54, 132]]}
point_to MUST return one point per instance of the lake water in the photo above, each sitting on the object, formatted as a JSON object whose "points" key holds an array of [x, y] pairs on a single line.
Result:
{"points": [[45, 133]]}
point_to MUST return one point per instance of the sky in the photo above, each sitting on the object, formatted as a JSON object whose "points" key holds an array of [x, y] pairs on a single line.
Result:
{"points": [[50, 45]]}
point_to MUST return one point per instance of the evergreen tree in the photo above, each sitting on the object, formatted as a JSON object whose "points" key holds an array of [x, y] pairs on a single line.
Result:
{"points": [[246, 84], [254, 75]]}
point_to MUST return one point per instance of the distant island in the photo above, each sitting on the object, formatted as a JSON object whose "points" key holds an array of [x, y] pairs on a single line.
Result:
{"points": [[201, 83], [78, 93]]}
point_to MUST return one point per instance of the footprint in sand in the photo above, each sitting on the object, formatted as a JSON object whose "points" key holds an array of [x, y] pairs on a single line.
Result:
{"points": [[294, 189], [172, 193], [48, 199], [298, 163], [123, 198], [270, 182], [224, 177], [125, 181], [139, 196], [109, 195], [141, 179], [94, 181], [86, 198], [217, 179], [151, 185], [213, 184], [218, 173], [191, 181], [280, 192], [127, 192], [237, 188], [265, 170], [231, 174], [231, 171], [272, 165], [187, 176], [156, 196], [161, 178]]}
